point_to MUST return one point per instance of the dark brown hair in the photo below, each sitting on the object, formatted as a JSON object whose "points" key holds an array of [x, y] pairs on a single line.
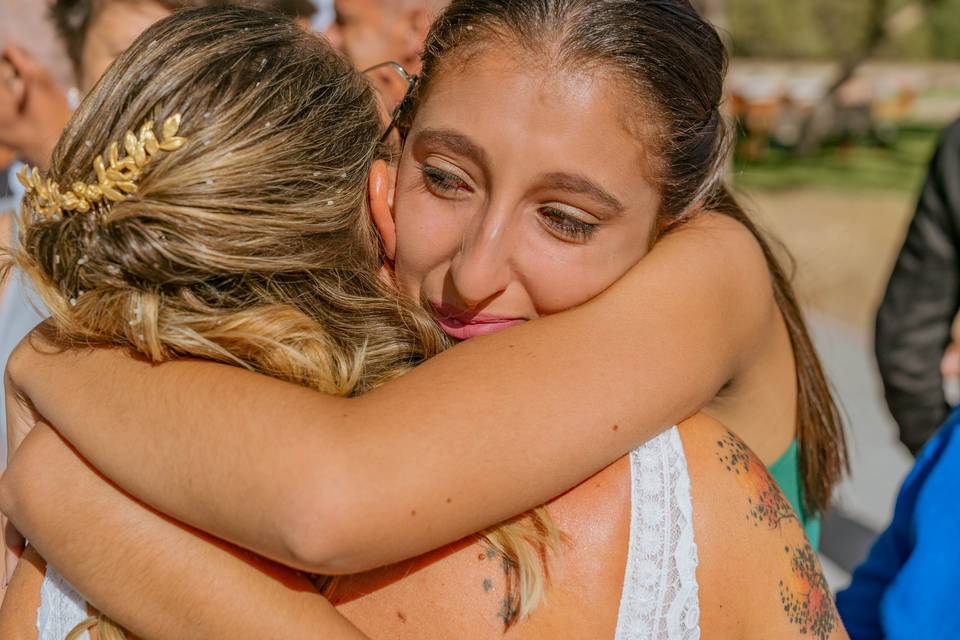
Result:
{"points": [[673, 63], [72, 18]]}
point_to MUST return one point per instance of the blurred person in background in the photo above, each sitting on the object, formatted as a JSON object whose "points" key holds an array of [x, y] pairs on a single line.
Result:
{"points": [[370, 32], [923, 296], [34, 78], [34, 106], [95, 32]]}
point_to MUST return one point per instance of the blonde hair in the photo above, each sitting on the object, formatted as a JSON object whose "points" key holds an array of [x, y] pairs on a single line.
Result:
{"points": [[250, 244]]}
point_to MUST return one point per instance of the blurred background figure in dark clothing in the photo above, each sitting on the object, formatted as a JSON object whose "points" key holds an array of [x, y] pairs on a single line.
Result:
{"points": [[915, 321], [373, 31]]}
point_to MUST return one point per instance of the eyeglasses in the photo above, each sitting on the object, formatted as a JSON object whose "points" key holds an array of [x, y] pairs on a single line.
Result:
{"points": [[411, 81]]}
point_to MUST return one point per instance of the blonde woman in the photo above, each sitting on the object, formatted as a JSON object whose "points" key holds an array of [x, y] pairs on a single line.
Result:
{"points": [[715, 450]]}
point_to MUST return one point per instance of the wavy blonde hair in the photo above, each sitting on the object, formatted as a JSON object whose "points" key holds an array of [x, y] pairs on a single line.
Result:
{"points": [[250, 245]]}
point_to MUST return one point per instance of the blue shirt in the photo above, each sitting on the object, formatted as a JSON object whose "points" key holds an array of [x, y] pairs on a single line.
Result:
{"points": [[909, 585]]}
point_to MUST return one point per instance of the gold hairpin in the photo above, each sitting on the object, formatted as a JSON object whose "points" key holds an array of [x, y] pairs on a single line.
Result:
{"points": [[116, 178]]}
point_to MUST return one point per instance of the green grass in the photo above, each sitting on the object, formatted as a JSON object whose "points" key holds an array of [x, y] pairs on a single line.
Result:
{"points": [[856, 167]]}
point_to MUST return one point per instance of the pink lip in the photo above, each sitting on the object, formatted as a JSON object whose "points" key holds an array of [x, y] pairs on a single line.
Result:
{"points": [[463, 325]]}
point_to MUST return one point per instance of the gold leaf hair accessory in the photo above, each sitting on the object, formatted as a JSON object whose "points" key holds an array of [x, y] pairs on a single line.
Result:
{"points": [[116, 177]]}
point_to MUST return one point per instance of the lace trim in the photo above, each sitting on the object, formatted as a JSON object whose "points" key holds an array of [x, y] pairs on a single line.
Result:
{"points": [[660, 599], [61, 608]]}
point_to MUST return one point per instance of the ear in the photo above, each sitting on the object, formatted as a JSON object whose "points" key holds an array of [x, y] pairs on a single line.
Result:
{"points": [[18, 70], [382, 189]]}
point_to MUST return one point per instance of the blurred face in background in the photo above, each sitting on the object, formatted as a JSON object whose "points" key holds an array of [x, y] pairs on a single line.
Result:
{"points": [[112, 30], [373, 31], [34, 75], [118, 23]]}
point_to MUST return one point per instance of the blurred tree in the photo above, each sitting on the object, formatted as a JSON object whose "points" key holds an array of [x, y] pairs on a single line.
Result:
{"points": [[885, 20], [827, 29], [944, 28]]}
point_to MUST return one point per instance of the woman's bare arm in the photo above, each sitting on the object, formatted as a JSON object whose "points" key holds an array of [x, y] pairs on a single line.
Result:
{"points": [[99, 538], [18, 615], [486, 430]]}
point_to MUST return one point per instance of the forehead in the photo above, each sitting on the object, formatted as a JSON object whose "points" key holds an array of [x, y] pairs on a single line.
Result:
{"points": [[561, 114]]}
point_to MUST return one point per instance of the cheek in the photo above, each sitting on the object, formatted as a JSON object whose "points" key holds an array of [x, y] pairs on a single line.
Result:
{"points": [[557, 280], [427, 238], [558, 287]]}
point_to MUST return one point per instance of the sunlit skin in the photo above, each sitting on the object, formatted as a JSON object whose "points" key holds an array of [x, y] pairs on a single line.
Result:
{"points": [[522, 222]]}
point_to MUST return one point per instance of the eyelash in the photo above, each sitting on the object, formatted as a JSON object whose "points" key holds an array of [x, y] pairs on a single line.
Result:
{"points": [[563, 224], [566, 225], [441, 180]]}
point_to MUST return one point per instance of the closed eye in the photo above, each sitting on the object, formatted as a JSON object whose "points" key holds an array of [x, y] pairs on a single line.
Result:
{"points": [[442, 182], [566, 226]]}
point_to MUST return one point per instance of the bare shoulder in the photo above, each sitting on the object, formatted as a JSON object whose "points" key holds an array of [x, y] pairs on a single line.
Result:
{"points": [[462, 590], [758, 575]]}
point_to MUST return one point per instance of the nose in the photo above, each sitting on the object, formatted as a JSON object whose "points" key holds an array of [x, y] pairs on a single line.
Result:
{"points": [[481, 270]]}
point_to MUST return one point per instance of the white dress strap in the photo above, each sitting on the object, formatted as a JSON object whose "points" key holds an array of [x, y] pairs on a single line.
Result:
{"points": [[660, 598], [61, 608]]}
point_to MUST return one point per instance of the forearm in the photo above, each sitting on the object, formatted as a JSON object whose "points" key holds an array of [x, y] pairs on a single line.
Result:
{"points": [[489, 429], [218, 470], [18, 615], [151, 575]]}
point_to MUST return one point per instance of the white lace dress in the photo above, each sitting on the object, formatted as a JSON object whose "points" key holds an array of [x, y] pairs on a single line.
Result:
{"points": [[61, 608], [660, 598]]}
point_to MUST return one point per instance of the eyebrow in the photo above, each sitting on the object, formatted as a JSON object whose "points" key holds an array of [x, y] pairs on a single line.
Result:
{"points": [[455, 142], [460, 144], [582, 185]]}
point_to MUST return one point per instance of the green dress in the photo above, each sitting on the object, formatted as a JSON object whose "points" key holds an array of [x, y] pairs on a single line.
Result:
{"points": [[786, 471]]}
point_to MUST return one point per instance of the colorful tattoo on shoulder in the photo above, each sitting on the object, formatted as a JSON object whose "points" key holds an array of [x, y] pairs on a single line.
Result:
{"points": [[804, 594], [806, 597], [768, 505]]}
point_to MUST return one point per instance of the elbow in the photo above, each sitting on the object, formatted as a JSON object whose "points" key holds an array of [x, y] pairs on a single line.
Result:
{"points": [[12, 496], [320, 535], [8, 496]]}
